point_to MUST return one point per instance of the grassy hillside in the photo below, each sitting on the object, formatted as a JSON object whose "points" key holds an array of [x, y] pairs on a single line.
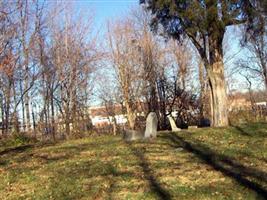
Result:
{"points": [[201, 164]]}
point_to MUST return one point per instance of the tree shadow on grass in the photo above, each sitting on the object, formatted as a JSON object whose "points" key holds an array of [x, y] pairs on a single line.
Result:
{"points": [[242, 131], [99, 180], [245, 154], [149, 174], [240, 173], [250, 130], [18, 149]]}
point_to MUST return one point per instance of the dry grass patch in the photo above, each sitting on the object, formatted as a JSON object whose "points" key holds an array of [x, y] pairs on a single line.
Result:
{"points": [[201, 164]]}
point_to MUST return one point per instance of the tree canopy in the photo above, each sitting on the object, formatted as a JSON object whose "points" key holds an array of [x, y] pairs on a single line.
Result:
{"points": [[204, 22], [196, 17]]}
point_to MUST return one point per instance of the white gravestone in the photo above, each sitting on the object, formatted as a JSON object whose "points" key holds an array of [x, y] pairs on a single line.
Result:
{"points": [[151, 125], [173, 124]]}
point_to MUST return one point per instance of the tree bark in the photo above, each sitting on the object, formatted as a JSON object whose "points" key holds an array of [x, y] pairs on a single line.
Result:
{"points": [[15, 114], [6, 122], [22, 106], [130, 115], [114, 125], [52, 114], [33, 123], [264, 70], [67, 119], [218, 91], [28, 116], [202, 88], [67, 125]]}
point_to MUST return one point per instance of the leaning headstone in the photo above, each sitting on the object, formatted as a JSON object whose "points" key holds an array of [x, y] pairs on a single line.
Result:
{"points": [[173, 125], [179, 149], [151, 125], [131, 135]]}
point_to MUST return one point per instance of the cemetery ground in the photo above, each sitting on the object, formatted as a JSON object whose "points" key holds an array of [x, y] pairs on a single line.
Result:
{"points": [[208, 163]]}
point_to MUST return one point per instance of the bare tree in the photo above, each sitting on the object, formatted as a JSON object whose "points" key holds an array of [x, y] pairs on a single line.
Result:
{"points": [[109, 94], [124, 56], [74, 59], [255, 62]]}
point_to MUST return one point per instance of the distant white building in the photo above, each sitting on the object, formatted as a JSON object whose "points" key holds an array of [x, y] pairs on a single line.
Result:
{"points": [[261, 103], [100, 116]]}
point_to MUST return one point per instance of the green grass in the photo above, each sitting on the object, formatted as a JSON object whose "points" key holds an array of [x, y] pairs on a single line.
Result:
{"points": [[222, 163]]}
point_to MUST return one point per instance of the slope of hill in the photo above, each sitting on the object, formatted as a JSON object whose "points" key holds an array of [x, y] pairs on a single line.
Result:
{"points": [[222, 163]]}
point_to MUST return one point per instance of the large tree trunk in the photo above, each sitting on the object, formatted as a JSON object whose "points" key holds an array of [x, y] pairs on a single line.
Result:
{"points": [[264, 70], [202, 88], [210, 103], [265, 83], [218, 91], [206, 106]]}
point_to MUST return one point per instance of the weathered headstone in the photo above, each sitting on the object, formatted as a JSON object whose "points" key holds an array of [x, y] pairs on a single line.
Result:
{"points": [[131, 135], [173, 125], [192, 127], [151, 125]]}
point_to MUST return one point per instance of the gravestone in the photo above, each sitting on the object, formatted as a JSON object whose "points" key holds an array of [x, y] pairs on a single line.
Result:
{"points": [[192, 127], [131, 135], [151, 125], [173, 125]]}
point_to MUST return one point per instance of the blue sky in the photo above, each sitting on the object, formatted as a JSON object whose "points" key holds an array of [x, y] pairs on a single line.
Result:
{"points": [[107, 9]]}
